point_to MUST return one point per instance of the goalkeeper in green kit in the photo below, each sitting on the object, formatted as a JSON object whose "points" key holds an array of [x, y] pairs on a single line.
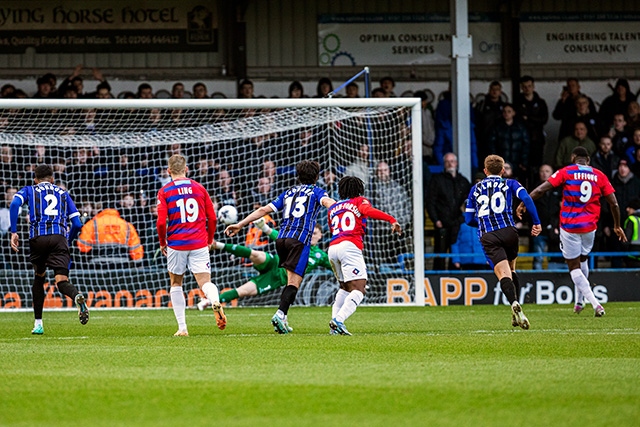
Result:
{"points": [[271, 276]]}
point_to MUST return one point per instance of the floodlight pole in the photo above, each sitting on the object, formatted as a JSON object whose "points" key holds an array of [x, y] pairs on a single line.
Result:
{"points": [[461, 49]]}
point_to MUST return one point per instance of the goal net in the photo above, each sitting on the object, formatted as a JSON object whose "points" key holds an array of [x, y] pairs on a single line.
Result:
{"points": [[112, 155]]}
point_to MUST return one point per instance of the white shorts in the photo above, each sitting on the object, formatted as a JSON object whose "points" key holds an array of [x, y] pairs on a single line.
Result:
{"points": [[347, 262], [197, 260], [573, 245]]}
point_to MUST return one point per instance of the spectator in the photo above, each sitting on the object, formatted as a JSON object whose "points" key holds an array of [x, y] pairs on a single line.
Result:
{"points": [[509, 139], [361, 166], [467, 242], [633, 115], [532, 110], [548, 207], [487, 113], [44, 88], [296, 90], [144, 91], [177, 92], [103, 91], [428, 127], [605, 159], [620, 134], [75, 81], [225, 193], [390, 197], [245, 89], [378, 93], [567, 144], [324, 88], [566, 110], [630, 149], [200, 91], [108, 241], [447, 194], [443, 142], [388, 84], [352, 90], [618, 102], [7, 91], [632, 231], [627, 186], [10, 171]]}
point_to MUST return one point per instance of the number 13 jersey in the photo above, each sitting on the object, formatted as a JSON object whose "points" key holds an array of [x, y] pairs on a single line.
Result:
{"points": [[583, 188]]}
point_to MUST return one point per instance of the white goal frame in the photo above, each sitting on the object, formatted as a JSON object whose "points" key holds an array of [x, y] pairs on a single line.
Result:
{"points": [[416, 132]]}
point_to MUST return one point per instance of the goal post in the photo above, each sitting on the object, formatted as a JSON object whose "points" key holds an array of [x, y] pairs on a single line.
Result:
{"points": [[111, 154]]}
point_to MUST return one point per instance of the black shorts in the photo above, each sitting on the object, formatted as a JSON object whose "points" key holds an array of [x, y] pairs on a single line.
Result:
{"points": [[50, 251], [500, 245], [294, 255]]}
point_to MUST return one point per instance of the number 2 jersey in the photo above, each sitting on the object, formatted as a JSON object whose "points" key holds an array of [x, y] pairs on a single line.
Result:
{"points": [[583, 187], [348, 220], [50, 209], [491, 202], [188, 207]]}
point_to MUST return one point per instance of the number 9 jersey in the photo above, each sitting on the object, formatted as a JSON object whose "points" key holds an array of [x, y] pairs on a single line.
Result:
{"points": [[583, 188], [188, 207]]}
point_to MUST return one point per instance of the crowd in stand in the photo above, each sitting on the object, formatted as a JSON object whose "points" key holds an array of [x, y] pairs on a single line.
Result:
{"points": [[127, 179]]}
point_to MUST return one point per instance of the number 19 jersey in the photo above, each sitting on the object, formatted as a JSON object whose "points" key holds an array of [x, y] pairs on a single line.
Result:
{"points": [[492, 199], [188, 207], [583, 187]]}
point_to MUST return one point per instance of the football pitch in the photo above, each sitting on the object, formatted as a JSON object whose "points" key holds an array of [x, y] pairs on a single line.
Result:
{"points": [[403, 366]]}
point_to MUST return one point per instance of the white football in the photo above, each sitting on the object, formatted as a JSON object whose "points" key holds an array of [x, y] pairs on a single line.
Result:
{"points": [[228, 214]]}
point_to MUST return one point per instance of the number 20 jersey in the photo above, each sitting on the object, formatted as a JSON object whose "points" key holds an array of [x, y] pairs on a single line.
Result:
{"points": [[188, 207], [492, 201], [348, 220], [582, 188]]}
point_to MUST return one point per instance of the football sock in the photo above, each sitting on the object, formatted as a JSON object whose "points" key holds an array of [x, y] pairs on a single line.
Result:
{"points": [[337, 304], [227, 296], [516, 282], [38, 322], [211, 292], [582, 284], [508, 289], [287, 298], [37, 291], [218, 245], [237, 250], [350, 305], [67, 289], [179, 305], [584, 267]]}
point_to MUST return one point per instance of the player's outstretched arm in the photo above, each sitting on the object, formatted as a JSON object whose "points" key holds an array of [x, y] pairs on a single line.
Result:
{"points": [[327, 202], [233, 229], [615, 212]]}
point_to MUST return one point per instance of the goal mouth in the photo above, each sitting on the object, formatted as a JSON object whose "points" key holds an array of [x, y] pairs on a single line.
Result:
{"points": [[113, 154]]}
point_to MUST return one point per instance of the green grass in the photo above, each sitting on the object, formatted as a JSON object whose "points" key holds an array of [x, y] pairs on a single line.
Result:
{"points": [[435, 366]]}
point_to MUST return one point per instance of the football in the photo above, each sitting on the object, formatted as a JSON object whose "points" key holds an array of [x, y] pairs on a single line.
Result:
{"points": [[228, 214]]}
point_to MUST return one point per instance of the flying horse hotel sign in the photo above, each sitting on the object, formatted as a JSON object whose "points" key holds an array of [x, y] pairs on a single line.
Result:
{"points": [[114, 26]]}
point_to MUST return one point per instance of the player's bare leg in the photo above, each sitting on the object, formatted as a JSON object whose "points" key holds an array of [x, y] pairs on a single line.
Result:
{"points": [[211, 293]]}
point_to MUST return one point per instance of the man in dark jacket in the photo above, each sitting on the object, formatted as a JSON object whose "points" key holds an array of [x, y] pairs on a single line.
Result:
{"points": [[448, 192], [534, 113]]}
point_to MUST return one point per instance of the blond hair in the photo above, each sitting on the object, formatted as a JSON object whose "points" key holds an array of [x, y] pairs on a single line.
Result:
{"points": [[494, 164], [177, 164]]}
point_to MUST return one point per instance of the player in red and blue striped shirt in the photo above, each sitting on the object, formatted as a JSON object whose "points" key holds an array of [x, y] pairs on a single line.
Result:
{"points": [[489, 206], [186, 225], [583, 186], [50, 210]]}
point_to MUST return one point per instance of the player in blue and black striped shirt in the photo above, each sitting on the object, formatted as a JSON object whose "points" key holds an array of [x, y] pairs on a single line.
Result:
{"points": [[50, 210], [300, 206], [489, 207]]}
